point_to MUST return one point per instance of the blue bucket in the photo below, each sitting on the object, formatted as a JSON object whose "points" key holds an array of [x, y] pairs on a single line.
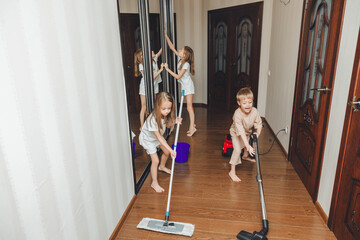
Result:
{"points": [[182, 152]]}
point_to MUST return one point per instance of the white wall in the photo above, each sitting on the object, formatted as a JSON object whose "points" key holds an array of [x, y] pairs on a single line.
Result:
{"points": [[341, 86], [285, 36], [65, 155], [131, 6]]}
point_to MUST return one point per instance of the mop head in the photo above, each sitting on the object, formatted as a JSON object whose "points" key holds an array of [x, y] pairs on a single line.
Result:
{"points": [[177, 228]]}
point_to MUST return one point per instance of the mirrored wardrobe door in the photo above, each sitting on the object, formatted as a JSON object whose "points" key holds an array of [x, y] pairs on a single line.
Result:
{"points": [[131, 41]]}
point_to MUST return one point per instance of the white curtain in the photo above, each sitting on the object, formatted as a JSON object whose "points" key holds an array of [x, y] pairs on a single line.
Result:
{"points": [[65, 154]]}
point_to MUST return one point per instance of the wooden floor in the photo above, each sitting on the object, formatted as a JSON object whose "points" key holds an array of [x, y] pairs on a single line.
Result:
{"points": [[204, 195]]}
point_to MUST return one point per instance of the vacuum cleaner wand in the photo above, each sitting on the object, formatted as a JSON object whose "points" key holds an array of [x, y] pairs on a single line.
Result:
{"points": [[243, 235]]}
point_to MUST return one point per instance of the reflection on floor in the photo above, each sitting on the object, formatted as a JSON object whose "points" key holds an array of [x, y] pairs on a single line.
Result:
{"points": [[204, 195]]}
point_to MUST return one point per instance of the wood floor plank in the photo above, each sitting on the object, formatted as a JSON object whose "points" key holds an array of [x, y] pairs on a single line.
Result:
{"points": [[204, 195]]}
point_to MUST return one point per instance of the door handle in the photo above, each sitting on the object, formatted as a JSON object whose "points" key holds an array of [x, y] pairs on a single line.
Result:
{"points": [[355, 104], [324, 89]]}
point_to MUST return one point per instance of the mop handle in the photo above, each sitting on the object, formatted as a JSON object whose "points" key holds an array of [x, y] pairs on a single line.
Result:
{"points": [[258, 177], [173, 159]]}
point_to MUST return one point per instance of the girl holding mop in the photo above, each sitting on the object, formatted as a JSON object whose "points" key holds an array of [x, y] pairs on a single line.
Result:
{"points": [[151, 135], [186, 229], [185, 67]]}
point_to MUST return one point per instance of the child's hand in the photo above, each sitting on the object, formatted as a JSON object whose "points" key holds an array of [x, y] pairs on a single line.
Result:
{"points": [[161, 66], [173, 154], [250, 150], [166, 66], [179, 120], [165, 33]]}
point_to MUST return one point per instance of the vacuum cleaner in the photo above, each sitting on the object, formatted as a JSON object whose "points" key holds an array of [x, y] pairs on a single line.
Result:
{"points": [[227, 147], [261, 235]]}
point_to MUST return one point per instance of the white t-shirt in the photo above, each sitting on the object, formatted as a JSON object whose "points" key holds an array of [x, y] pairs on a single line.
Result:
{"points": [[147, 138], [142, 83], [186, 81], [155, 70]]}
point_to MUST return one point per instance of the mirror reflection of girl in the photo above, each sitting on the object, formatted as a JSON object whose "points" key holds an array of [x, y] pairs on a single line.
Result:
{"points": [[151, 135], [185, 66], [139, 69], [158, 79]]}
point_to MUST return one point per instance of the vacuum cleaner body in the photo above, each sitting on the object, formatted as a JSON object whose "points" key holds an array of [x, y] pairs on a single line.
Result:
{"points": [[227, 146]]}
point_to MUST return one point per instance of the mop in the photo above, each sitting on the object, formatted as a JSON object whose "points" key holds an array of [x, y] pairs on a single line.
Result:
{"points": [[243, 235], [177, 228]]}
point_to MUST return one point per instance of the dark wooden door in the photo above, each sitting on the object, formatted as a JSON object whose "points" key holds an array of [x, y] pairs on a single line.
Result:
{"points": [[234, 53], [345, 212], [131, 41], [316, 70]]}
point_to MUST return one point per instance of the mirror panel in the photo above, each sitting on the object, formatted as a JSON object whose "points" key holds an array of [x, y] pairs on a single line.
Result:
{"points": [[131, 41]]}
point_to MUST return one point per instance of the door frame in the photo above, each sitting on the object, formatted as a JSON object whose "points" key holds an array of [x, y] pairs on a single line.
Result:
{"points": [[344, 138], [299, 84], [257, 43]]}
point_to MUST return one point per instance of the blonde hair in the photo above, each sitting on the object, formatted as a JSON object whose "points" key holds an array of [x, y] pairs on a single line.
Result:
{"points": [[137, 61], [170, 118], [189, 57], [244, 93]]}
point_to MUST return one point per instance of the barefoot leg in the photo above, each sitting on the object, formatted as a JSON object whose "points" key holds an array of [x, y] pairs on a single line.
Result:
{"points": [[142, 110], [190, 108], [153, 171], [164, 158], [247, 157], [233, 175]]}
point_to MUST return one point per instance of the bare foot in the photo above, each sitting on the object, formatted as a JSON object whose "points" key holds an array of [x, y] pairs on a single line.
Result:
{"points": [[247, 158], [234, 177], [191, 132], [165, 170], [157, 188]]}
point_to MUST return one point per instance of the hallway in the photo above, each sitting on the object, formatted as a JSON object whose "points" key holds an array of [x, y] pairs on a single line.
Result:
{"points": [[204, 195]]}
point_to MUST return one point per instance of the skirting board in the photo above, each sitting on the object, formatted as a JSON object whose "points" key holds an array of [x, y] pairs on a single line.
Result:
{"points": [[277, 140], [203, 105], [321, 212], [123, 218]]}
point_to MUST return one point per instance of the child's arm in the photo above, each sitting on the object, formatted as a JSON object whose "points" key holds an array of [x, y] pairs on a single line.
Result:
{"points": [[171, 45], [249, 148], [258, 131], [164, 143], [158, 72], [177, 76], [158, 53]]}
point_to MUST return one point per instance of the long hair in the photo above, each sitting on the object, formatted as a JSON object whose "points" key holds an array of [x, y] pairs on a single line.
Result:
{"points": [[137, 61], [189, 57], [156, 113]]}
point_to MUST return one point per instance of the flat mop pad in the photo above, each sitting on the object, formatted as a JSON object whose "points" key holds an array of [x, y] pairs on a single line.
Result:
{"points": [[177, 228]]}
